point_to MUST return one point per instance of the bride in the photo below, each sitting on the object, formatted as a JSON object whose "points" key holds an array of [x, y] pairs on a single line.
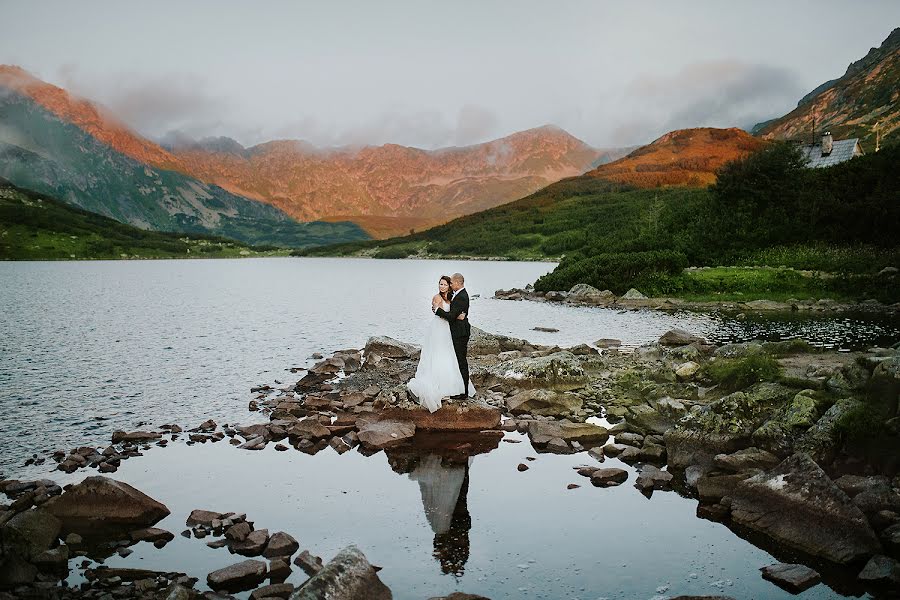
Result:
{"points": [[437, 375]]}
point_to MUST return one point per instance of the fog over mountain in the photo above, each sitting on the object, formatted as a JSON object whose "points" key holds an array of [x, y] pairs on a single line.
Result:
{"points": [[435, 74]]}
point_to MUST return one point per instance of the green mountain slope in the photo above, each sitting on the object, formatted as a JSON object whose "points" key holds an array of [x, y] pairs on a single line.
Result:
{"points": [[37, 227], [38, 151]]}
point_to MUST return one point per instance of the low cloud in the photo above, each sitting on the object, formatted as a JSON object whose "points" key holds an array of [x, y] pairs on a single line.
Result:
{"points": [[708, 94]]}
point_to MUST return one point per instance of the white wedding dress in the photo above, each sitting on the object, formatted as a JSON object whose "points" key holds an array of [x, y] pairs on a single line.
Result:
{"points": [[437, 375]]}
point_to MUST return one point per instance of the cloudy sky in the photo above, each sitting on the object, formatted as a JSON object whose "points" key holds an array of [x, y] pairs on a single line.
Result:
{"points": [[432, 74]]}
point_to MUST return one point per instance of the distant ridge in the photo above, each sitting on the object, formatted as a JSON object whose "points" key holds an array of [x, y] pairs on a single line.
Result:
{"points": [[684, 157]]}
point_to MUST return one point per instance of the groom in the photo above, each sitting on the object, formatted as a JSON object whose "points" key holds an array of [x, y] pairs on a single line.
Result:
{"points": [[458, 316]]}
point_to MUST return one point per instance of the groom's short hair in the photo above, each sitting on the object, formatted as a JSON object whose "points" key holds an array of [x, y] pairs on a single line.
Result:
{"points": [[458, 277]]}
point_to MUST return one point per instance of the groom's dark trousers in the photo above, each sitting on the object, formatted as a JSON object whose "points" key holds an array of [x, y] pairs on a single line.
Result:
{"points": [[460, 330]]}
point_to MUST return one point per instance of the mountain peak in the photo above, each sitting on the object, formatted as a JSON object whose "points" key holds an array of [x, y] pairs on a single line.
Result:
{"points": [[92, 118]]}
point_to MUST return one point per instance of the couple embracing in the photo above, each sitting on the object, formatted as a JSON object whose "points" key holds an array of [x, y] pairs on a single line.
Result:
{"points": [[443, 368]]}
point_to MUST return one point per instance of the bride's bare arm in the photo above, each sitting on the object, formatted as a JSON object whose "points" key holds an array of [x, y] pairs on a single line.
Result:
{"points": [[436, 301]]}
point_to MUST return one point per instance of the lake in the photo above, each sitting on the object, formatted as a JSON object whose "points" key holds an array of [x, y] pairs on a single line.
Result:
{"points": [[90, 347]]}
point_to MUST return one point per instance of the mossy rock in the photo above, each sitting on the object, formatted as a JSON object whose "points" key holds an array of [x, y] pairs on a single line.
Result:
{"points": [[846, 417], [740, 350], [648, 420], [740, 413]]}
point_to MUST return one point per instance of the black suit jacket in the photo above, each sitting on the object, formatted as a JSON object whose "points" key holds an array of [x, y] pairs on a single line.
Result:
{"points": [[459, 304]]}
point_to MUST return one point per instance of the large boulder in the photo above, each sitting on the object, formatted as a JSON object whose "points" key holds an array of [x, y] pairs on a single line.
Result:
{"points": [[348, 576], [559, 370], [582, 292], [99, 503], [585, 434], [679, 337], [28, 534], [238, 577], [377, 435], [543, 402], [724, 426], [482, 343], [798, 505], [387, 347]]}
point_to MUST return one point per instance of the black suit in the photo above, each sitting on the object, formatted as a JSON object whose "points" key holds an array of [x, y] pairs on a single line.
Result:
{"points": [[460, 330]]}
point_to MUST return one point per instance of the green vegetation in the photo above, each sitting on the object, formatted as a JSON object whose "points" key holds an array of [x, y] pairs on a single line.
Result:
{"points": [[36, 227], [732, 374], [769, 228]]}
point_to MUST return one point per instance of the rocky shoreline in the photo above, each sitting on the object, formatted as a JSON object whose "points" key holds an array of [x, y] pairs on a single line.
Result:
{"points": [[764, 435], [585, 295]]}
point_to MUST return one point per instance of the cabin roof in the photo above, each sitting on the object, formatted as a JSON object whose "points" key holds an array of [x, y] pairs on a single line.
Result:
{"points": [[841, 151]]}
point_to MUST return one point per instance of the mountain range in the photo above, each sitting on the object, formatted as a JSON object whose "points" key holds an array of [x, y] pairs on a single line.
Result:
{"points": [[387, 189], [291, 193]]}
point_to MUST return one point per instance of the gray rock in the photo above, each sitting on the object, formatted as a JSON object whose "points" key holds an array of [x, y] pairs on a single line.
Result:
{"points": [[29, 533], [633, 294], [715, 486], [608, 477], [348, 576], [557, 369], [275, 590], [238, 577], [797, 504], [583, 433], [856, 484], [238, 532], [794, 578], [630, 439], [309, 563], [608, 343], [881, 570], [99, 503], [253, 544], [543, 402], [281, 544], [385, 434], [741, 350], [679, 337], [686, 371], [387, 347], [15, 570], [748, 458], [653, 479]]}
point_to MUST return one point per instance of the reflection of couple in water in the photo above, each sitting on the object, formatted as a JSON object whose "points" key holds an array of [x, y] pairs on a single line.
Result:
{"points": [[444, 489]]}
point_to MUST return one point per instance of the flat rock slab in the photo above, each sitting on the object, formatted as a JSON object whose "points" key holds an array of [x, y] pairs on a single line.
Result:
{"points": [[543, 402], [449, 417], [583, 433], [348, 576], [793, 578], [797, 504], [238, 577], [99, 503], [386, 433]]}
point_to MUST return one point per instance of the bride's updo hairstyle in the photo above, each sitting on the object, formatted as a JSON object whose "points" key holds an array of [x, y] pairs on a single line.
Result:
{"points": [[449, 288]]}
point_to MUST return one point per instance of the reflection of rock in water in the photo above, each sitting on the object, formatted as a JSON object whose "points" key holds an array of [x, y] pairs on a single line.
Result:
{"points": [[443, 489]]}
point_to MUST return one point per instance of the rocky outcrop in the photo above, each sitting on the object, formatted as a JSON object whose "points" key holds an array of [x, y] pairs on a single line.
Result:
{"points": [[798, 505], [543, 402], [679, 337], [379, 347], [348, 576], [559, 370], [99, 503]]}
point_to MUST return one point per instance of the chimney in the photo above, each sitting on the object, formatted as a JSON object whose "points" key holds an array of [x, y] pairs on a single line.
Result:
{"points": [[827, 143]]}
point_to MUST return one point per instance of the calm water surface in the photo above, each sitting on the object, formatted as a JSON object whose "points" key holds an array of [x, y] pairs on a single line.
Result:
{"points": [[90, 347]]}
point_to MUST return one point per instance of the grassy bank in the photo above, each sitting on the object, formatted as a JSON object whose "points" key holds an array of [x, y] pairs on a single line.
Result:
{"points": [[36, 227]]}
